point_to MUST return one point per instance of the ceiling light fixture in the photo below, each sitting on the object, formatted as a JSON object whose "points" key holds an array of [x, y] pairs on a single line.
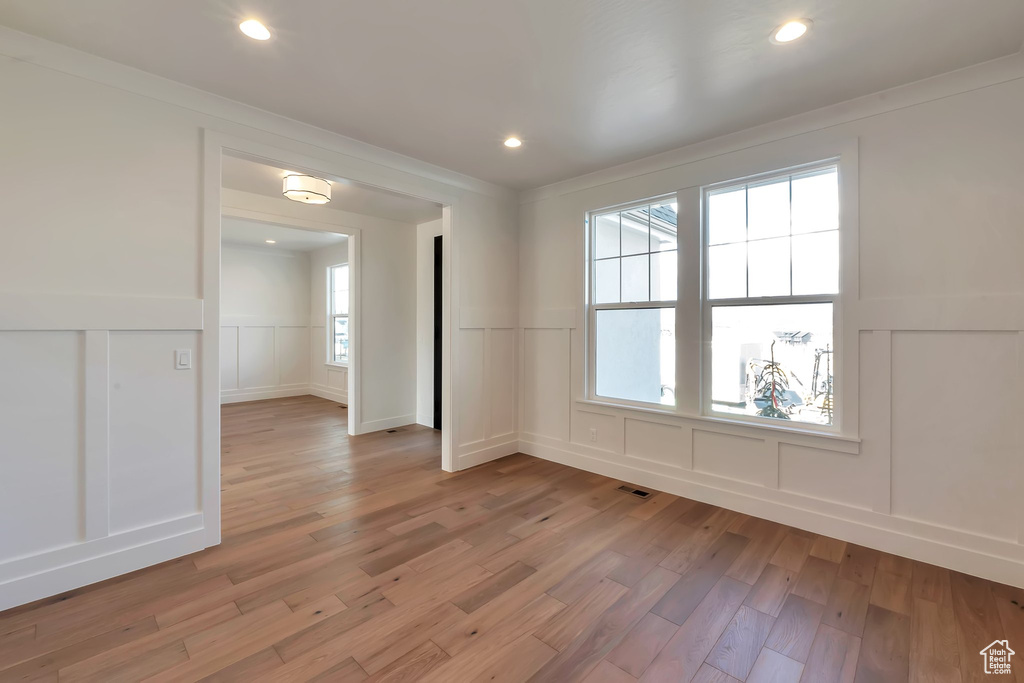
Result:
{"points": [[254, 29], [790, 31], [513, 142], [307, 189], [270, 241]]}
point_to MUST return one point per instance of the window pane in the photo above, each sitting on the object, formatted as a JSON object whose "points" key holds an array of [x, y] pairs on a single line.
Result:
{"points": [[816, 202], [636, 357], [635, 232], [727, 217], [663, 227], [663, 276], [339, 292], [816, 263], [727, 271], [606, 281], [606, 235], [744, 379], [769, 267], [635, 278], [768, 210], [341, 340]]}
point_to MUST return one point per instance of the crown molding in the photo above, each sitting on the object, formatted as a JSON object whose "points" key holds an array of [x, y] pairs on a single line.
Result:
{"points": [[986, 74], [31, 49]]}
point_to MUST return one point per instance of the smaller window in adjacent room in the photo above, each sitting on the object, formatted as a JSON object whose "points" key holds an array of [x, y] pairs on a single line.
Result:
{"points": [[770, 296], [338, 324], [634, 259]]}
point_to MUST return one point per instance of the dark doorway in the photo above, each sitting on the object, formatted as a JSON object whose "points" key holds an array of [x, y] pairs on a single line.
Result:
{"points": [[438, 252]]}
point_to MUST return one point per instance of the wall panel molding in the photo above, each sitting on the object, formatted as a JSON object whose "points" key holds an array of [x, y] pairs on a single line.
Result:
{"points": [[548, 318], [487, 318], [40, 575], [96, 463], [940, 314], [20, 311]]}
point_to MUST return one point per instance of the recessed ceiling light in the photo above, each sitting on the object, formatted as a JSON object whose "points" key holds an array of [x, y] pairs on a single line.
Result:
{"points": [[513, 142], [254, 29], [271, 241], [790, 31]]}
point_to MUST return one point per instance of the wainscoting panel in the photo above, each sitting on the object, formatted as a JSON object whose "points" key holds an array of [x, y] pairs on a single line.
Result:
{"points": [[101, 464], [150, 485], [956, 393], [257, 358], [271, 358], [52, 470], [486, 386]]}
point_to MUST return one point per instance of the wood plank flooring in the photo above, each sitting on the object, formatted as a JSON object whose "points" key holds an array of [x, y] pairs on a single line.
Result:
{"points": [[352, 559]]}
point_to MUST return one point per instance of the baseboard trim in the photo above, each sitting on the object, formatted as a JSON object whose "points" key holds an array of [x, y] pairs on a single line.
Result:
{"points": [[386, 423], [329, 394], [487, 450], [54, 572], [242, 395], [985, 563]]}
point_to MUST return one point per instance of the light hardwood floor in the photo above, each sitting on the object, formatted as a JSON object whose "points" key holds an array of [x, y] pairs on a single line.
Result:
{"points": [[359, 559]]}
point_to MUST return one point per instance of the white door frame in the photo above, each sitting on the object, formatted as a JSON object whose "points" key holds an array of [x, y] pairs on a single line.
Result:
{"points": [[288, 153]]}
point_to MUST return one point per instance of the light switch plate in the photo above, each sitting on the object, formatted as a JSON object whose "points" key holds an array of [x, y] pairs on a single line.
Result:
{"points": [[183, 359]]}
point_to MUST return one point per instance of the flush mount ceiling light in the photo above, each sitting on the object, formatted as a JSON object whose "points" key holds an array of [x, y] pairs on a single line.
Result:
{"points": [[254, 29], [790, 31], [270, 241], [307, 189], [513, 142]]}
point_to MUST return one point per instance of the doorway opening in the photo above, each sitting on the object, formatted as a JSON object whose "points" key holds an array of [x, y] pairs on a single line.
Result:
{"points": [[388, 222], [285, 312]]}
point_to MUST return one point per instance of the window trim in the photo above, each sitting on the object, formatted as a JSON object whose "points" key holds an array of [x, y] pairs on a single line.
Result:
{"points": [[685, 183], [332, 316], [591, 308], [707, 305]]}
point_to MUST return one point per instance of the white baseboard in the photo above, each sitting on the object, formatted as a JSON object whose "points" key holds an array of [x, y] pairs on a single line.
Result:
{"points": [[262, 393], [425, 420], [479, 452], [386, 423], [329, 394], [989, 558], [26, 579]]}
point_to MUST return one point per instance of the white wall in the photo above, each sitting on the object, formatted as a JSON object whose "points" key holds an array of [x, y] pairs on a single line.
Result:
{"points": [[328, 380], [265, 325], [99, 288], [425, 234], [936, 471]]}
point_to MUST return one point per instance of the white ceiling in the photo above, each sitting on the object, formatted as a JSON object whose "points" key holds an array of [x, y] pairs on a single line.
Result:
{"points": [[254, 234], [585, 83], [252, 176]]}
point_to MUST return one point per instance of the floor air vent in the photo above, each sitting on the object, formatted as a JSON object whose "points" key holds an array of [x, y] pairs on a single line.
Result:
{"points": [[635, 492], [392, 431]]}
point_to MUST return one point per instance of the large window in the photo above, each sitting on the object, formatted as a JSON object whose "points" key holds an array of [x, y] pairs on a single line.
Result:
{"points": [[771, 280], [733, 315], [338, 323], [633, 258]]}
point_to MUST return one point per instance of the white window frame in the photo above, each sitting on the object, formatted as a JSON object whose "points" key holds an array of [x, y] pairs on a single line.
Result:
{"points": [[685, 183], [592, 307], [332, 316], [836, 300]]}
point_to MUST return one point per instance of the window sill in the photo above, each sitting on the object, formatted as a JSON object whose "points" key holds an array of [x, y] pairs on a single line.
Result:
{"points": [[332, 364], [764, 430]]}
